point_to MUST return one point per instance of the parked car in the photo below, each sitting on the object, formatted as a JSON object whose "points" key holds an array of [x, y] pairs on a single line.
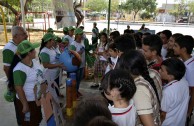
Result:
{"points": [[182, 20]]}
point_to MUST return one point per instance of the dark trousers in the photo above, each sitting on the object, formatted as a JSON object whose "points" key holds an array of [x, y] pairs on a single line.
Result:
{"points": [[35, 113], [19, 122]]}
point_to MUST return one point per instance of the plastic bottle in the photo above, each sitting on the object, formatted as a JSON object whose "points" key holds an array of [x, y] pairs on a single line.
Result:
{"points": [[27, 117]]}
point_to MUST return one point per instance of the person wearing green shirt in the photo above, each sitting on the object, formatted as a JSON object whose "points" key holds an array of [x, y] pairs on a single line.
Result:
{"points": [[9, 50]]}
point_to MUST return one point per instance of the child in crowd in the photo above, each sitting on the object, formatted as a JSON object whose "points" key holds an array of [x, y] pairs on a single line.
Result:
{"points": [[165, 36], [101, 62], [170, 51], [90, 108], [119, 87], [112, 60], [175, 95], [152, 46], [183, 47], [147, 97], [63, 44]]}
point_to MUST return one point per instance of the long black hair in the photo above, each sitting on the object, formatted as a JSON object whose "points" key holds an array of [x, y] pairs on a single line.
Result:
{"points": [[43, 44], [135, 63]]}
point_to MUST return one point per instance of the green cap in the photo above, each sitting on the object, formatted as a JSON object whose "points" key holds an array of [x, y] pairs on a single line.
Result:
{"points": [[50, 30], [57, 39], [71, 28], [9, 96], [48, 36], [65, 29], [25, 46], [65, 40], [78, 31]]}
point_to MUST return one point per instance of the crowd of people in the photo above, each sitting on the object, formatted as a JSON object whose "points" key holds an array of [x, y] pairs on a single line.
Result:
{"points": [[145, 79]]}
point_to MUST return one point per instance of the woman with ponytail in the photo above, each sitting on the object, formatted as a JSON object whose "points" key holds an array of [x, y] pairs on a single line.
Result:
{"points": [[146, 98], [49, 58]]}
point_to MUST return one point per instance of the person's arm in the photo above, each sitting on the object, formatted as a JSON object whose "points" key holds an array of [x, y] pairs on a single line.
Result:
{"points": [[142, 100], [162, 116], [6, 70], [191, 101], [147, 120], [8, 56], [51, 66], [19, 78], [22, 97], [45, 59]]}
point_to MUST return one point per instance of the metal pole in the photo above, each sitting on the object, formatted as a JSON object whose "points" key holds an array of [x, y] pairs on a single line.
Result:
{"points": [[4, 23], [109, 8], [22, 12]]}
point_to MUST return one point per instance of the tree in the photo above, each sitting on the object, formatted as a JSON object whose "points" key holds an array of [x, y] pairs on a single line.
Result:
{"points": [[136, 5], [14, 6], [97, 5]]}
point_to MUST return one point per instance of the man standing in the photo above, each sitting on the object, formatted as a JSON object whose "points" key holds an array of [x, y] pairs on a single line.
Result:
{"points": [[95, 34], [18, 35]]}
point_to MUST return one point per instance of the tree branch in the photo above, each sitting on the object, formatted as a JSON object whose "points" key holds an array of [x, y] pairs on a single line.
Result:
{"points": [[5, 4]]}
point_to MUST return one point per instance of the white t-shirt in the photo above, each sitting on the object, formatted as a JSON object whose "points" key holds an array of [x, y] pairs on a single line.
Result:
{"points": [[163, 52], [32, 74], [175, 102], [124, 116], [102, 48], [71, 39], [114, 61], [54, 73], [189, 75], [80, 46]]}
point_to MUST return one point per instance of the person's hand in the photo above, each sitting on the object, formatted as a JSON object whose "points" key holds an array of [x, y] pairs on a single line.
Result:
{"points": [[62, 66], [25, 107]]}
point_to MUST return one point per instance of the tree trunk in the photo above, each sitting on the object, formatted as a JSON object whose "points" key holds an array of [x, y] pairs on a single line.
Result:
{"points": [[134, 16]]}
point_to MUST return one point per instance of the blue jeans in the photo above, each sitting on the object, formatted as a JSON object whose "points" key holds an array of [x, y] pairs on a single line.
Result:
{"points": [[79, 76]]}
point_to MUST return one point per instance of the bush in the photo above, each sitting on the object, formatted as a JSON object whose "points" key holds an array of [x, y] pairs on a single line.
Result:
{"points": [[146, 15]]}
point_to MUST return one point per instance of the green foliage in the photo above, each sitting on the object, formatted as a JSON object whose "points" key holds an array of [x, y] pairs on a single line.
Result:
{"points": [[146, 15], [96, 5], [137, 5]]}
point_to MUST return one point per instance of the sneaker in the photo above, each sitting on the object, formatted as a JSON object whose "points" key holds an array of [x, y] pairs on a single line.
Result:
{"points": [[95, 85]]}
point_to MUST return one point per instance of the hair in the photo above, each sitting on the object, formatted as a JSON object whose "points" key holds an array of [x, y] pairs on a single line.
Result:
{"points": [[125, 43], [112, 46], [16, 59], [175, 67], [43, 44], [101, 121], [138, 40], [89, 108], [176, 35], [15, 30], [187, 42], [115, 34], [154, 42], [158, 33], [146, 33], [167, 33], [120, 79], [135, 63]]}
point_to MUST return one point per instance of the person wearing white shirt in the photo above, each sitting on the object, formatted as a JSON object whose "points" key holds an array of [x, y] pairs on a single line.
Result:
{"points": [[120, 88], [175, 94]]}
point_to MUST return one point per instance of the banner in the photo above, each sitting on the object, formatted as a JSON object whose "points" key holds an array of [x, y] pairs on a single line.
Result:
{"points": [[64, 13]]}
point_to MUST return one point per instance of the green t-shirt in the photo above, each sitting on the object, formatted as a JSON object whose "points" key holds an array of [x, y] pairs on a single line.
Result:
{"points": [[19, 78], [8, 56], [45, 58]]}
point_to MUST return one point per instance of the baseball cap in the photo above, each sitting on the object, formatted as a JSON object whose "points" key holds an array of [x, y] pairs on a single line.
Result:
{"points": [[71, 28], [65, 29], [50, 30], [78, 31], [25, 46], [48, 36]]}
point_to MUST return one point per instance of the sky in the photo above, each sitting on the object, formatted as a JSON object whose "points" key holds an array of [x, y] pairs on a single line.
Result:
{"points": [[160, 2]]}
